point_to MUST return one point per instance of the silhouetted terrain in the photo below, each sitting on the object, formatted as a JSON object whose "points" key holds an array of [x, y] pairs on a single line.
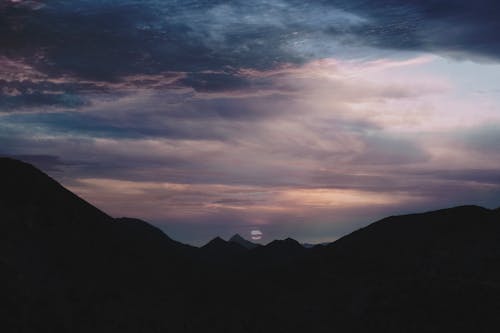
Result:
{"points": [[65, 266]]}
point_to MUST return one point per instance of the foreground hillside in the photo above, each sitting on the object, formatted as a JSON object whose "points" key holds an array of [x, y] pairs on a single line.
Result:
{"points": [[65, 266]]}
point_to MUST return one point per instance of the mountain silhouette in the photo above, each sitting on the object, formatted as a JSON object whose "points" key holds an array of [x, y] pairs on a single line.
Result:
{"points": [[142, 233], [420, 270], [287, 244], [219, 246], [463, 234], [277, 253], [281, 248], [66, 266], [61, 258]]}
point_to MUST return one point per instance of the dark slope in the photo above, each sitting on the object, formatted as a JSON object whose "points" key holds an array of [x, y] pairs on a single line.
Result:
{"points": [[65, 266], [433, 272], [458, 236], [140, 233], [68, 266]]}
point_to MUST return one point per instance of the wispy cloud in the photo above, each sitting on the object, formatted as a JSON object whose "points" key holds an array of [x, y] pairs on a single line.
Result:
{"points": [[280, 113]]}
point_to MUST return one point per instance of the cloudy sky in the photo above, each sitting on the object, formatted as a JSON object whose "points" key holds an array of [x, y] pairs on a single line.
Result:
{"points": [[306, 119]]}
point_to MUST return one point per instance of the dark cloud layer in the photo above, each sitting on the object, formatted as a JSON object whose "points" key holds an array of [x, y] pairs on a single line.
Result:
{"points": [[106, 40], [209, 41], [459, 28]]}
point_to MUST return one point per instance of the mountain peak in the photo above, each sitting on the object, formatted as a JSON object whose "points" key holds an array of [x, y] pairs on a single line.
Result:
{"points": [[288, 241], [291, 240], [236, 237], [220, 251], [243, 242], [285, 244], [217, 241]]}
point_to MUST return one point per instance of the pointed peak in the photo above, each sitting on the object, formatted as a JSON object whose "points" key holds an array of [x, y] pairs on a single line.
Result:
{"points": [[236, 237], [217, 241], [290, 240], [243, 242]]}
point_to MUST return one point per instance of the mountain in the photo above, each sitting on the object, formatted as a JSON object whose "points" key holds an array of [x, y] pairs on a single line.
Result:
{"points": [[218, 245], [311, 245], [462, 234], [277, 253], [285, 245], [66, 266], [243, 242], [220, 251], [141, 234], [434, 271]]}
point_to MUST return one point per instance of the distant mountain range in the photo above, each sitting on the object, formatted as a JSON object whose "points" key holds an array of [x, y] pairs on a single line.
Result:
{"points": [[66, 266]]}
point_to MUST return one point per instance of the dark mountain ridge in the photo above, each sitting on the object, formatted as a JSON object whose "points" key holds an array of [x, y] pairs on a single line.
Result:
{"points": [[220, 251], [62, 255], [66, 266], [460, 232]]}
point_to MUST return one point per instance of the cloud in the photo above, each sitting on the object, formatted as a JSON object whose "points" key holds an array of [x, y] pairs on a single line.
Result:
{"points": [[482, 139], [460, 29], [281, 115], [59, 54], [26, 99], [341, 123], [211, 40]]}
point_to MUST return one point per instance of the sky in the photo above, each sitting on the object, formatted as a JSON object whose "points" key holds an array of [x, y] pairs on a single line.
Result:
{"points": [[276, 118]]}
